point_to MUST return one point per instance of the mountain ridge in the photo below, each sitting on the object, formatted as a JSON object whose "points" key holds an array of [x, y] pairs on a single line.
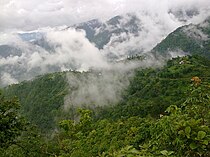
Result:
{"points": [[190, 39]]}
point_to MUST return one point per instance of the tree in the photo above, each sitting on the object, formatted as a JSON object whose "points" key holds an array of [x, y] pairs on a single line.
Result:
{"points": [[11, 123], [184, 131]]}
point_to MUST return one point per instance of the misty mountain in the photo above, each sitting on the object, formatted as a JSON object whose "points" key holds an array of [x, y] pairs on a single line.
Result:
{"points": [[191, 39], [104, 78], [95, 43], [184, 14], [30, 55], [101, 33], [115, 30], [115, 93], [105, 34], [9, 50], [31, 36], [96, 31]]}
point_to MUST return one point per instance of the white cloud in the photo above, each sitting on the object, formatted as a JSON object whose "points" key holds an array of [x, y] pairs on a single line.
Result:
{"points": [[72, 50], [104, 87], [32, 14], [6, 79], [74, 46]]}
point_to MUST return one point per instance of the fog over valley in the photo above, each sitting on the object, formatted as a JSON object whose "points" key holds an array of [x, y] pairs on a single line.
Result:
{"points": [[104, 78], [61, 35]]}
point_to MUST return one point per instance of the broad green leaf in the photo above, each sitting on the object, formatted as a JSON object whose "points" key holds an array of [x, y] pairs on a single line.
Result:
{"points": [[181, 132], [206, 142], [164, 152], [201, 135], [170, 152], [193, 146], [134, 151]]}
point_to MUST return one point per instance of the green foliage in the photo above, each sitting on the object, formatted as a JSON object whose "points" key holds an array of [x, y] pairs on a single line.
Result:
{"points": [[29, 143], [88, 138], [151, 91], [181, 132], [17, 137], [160, 115], [41, 99], [11, 123], [127, 151], [177, 133]]}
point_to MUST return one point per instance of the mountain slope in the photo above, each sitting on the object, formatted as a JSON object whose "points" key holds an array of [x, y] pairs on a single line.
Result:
{"points": [[41, 98], [190, 39], [100, 33], [151, 91], [58, 49]]}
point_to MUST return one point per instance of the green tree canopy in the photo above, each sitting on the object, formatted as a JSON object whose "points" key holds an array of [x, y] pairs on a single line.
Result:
{"points": [[11, 123]]}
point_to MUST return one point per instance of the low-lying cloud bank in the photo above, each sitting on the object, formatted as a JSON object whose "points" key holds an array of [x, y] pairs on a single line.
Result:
{"points": [[33, 14], [70, 50], [104, 87]]}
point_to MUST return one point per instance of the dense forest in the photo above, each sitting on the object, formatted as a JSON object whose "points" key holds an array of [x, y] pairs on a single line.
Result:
{"points": [[163, 112], [105, 78]]}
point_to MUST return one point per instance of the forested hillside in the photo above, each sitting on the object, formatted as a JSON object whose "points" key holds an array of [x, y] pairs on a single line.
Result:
{"points": [[41, 98], [104, 78], [164, 112], [191, 39], [152, 90]]}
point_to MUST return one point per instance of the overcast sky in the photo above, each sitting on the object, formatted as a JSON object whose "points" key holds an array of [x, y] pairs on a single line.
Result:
{"points": [[33, 14]]}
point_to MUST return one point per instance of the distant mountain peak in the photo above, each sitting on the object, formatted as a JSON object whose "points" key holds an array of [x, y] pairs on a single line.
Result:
{"points": [[101, 33]]}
